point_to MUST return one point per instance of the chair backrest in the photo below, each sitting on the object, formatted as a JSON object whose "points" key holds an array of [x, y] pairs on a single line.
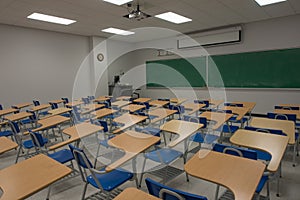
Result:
{"points": [[33, 116], [14, 127], [221, 111], [236, 151], [163, 99], [233, 104], [168, 193], [91, 98], [287, 107], [65, 99], [1, 108], [107, 103], [265, 130], [180, 108], [36, 102], [291, 117], [100, 123], [85, 100], [202, 102], [201, 120], [37, 139], [54, 105], [80, 157]]}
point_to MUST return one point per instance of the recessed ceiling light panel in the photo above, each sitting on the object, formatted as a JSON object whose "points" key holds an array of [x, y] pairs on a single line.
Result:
{"points": [[51, 19], [173, 17], [117, 31], [117, 2], [268, 2]]}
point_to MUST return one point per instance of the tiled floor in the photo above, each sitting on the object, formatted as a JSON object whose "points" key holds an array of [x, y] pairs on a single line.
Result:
{"points": [[72, 188]]}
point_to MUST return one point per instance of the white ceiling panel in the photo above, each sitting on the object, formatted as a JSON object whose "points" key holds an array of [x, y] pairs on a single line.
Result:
{"points": [[94, 15]]}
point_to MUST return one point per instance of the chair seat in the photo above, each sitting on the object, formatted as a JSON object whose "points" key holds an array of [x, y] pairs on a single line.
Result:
{"points": [[66, 115], [167, 155], [111, 180], [28, 144], [62, 156], [262, 155], [243, 120], [26, 121], [204, 138], [6, 133], [151, 130], [261, 183]]}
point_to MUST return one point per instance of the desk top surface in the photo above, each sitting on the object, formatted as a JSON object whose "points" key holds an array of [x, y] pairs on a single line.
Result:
{"points": [[120, 103], [271, 143], [248, 105], [193, 107], [102, 98], [125, 142], [7, 111], [128, 120], [22, 105], [161, 113], [103, 112], [135, 194], [59, 111], [283, 111], [142, 100], [240, 175], [58, 101], [40, 107], [133, 107], [288, 127], [158, 103], [7, 144], [178, 101], [123, 98], [219, 118], [18, 116], [77, 132], [240, 111], [50, 122], [74, 103], [182, 128], [27, 177]]}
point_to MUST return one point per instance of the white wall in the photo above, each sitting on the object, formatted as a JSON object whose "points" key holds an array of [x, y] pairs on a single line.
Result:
{"points": [[38, 64], [277, 33]]}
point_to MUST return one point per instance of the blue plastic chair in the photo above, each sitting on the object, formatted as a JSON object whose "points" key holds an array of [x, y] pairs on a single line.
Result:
{"points": [[76, 116], [27, 144], [246, 153], [202, 102], [179, 108], [91, 98], [65, 100], [168, 193], [1, 107], [201, 137], [106, 182], [287, 107], [233, 119], [86, 100], [31, 120], [37, 103]]}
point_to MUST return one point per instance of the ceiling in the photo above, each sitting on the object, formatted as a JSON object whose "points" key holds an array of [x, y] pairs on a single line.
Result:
{"points": [[94, 15]]}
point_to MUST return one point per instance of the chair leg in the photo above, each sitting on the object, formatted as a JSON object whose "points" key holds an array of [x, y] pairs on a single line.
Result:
{"points": [[18, 154], [294, 156], [217, 192], [142, 173], [48, 193], [98, 149], [84, 191]]}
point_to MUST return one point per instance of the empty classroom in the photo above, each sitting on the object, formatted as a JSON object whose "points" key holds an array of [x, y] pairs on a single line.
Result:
{"points": [[149, 99]]}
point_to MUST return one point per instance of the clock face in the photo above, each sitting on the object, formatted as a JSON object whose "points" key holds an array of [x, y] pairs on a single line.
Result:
{"points": [[100, 56]]}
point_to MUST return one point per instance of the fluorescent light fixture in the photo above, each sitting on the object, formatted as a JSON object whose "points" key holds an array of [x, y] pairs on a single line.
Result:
{"points": [[51, 19], [118, 2], [173, 17], [117, 31], [268, 2]]}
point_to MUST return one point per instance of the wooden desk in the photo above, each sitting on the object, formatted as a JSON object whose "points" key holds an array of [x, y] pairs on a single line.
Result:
{"points": [[290, 105], [240, 175], [128, 120], [288, 127], [182, 128], [213, 103], [133, 107], [91, 107], [161, 114], [177, 101], [7, 111], [22, 105], [50, 122], [194, 107], [101, 99], [74, 103], [7, 145], [273, 144], [219, 118], [40, 107], [135, 194], [120, 104], [18, 116], [25, 178], [132, 143], [77, 132], [158, 103], [103, 112], [239, 111], [121, 98], [59, 111], [248, 105], [58, 101], [293, 112], [142, 100]]}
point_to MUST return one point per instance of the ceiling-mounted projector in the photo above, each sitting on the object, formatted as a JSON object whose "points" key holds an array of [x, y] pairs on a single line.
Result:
{"points": [[136, 14]]}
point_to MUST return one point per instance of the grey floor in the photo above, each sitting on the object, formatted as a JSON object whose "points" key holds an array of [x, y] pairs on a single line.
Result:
{"points": [[72, 188]]}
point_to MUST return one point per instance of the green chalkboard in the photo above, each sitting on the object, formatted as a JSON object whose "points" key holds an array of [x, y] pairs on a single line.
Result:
{"points": [[265, 69], [190, 72]]}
